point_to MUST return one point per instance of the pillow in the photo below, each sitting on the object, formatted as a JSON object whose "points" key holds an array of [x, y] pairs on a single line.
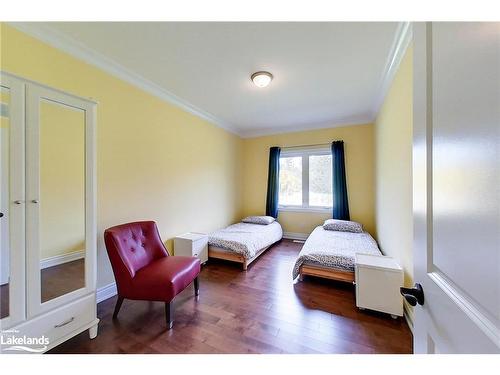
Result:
{"points": [[343, 226], [263, 220]]}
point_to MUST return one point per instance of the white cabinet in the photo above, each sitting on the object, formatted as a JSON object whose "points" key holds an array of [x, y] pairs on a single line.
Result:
{"points": [[192, 244], [48, 221], [378, 279]]}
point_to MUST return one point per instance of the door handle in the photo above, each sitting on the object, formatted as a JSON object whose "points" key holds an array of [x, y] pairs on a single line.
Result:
{"points": [[18, 202], [1, 214], [413, 295]]}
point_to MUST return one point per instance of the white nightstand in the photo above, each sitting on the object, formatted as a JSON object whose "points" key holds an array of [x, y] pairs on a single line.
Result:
{"points": [[192, 244], [378, 279]]}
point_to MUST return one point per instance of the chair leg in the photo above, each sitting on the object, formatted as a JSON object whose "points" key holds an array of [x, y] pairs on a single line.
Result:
{"points": [[169, 314], [118, 305], [196, 287]]}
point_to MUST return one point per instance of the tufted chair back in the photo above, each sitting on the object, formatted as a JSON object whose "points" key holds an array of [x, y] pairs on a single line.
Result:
{"points": [[131, 247]]}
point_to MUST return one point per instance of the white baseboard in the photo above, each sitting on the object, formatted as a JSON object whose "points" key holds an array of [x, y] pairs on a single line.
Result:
{"points": [[60, 259], [295, 236], [408, 316], [105, 292]]}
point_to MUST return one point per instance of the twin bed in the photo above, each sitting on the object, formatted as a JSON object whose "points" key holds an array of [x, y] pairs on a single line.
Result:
{"points": [[243, 242], [328, 252]]}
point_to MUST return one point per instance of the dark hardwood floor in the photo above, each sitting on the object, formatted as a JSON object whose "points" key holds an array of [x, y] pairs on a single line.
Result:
{"points": [[4, 300], [258, 311], [61, 279]]}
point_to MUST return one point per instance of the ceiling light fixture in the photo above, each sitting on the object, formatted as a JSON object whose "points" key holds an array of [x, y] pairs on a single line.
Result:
{"points": [[261, 79]]}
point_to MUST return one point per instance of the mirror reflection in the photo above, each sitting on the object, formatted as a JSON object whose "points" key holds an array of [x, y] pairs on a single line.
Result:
{"points": [[62, 199], [4, 202]]}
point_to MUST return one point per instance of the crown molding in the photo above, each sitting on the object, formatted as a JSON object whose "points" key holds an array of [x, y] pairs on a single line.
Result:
{"points": [[88, 55], [335, 123], [401, 42]]}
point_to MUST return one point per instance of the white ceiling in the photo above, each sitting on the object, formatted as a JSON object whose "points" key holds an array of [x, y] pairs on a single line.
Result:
{"points": [[325, 74]]}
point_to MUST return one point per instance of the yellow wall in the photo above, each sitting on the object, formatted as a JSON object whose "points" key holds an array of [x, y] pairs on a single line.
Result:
{"points": [[359, 155], [154, 160], [62, 180], [4, 99], [393, 139]]}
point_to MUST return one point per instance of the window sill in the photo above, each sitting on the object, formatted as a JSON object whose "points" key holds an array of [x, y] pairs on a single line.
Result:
{"points": [[319, 210]]}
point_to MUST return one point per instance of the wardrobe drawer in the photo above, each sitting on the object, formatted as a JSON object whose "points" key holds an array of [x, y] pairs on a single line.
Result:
{"points": [[62, 321]]}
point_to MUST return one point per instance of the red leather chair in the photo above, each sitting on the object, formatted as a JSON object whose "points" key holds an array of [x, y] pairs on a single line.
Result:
{"points": [[143, 268]]}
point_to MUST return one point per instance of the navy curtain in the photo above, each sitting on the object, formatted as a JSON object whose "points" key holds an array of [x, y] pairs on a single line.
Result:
{"points": [[340, 203], [273, 184]]}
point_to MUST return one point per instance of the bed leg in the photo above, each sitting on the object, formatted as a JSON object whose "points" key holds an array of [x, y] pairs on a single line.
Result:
{"points": [[245, 266]]}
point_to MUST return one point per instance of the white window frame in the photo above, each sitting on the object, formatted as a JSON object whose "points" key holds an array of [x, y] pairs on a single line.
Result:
{"points": [[303, 152]]}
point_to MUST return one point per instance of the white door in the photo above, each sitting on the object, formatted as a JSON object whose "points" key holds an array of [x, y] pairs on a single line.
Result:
{"points": [[456, 151]]}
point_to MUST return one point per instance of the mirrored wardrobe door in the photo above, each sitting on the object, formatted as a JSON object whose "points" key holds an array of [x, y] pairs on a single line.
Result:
{"points": [[12, 202], [61, 198], [56, 198]]}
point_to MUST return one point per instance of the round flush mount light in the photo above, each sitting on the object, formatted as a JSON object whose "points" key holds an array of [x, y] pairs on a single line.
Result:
{"points": [[261, 79]]}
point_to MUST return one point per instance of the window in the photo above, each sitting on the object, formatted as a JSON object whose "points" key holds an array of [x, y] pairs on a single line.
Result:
{"points": [[305, 179], [290, 181]]}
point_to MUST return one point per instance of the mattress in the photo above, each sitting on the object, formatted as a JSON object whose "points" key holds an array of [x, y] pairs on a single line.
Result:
{"points": [[245, 238], [334, 250]]}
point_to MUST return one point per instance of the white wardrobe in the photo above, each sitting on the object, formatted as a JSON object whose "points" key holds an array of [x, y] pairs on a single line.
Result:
{"points": [[48, 216]]}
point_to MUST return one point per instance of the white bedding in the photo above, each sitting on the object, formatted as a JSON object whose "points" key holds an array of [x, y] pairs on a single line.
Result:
{"points": [[246, 239], [333, 249]]}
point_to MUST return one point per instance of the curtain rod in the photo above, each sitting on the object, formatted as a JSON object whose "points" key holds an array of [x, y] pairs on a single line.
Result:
{"points": [[314, 145]]}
